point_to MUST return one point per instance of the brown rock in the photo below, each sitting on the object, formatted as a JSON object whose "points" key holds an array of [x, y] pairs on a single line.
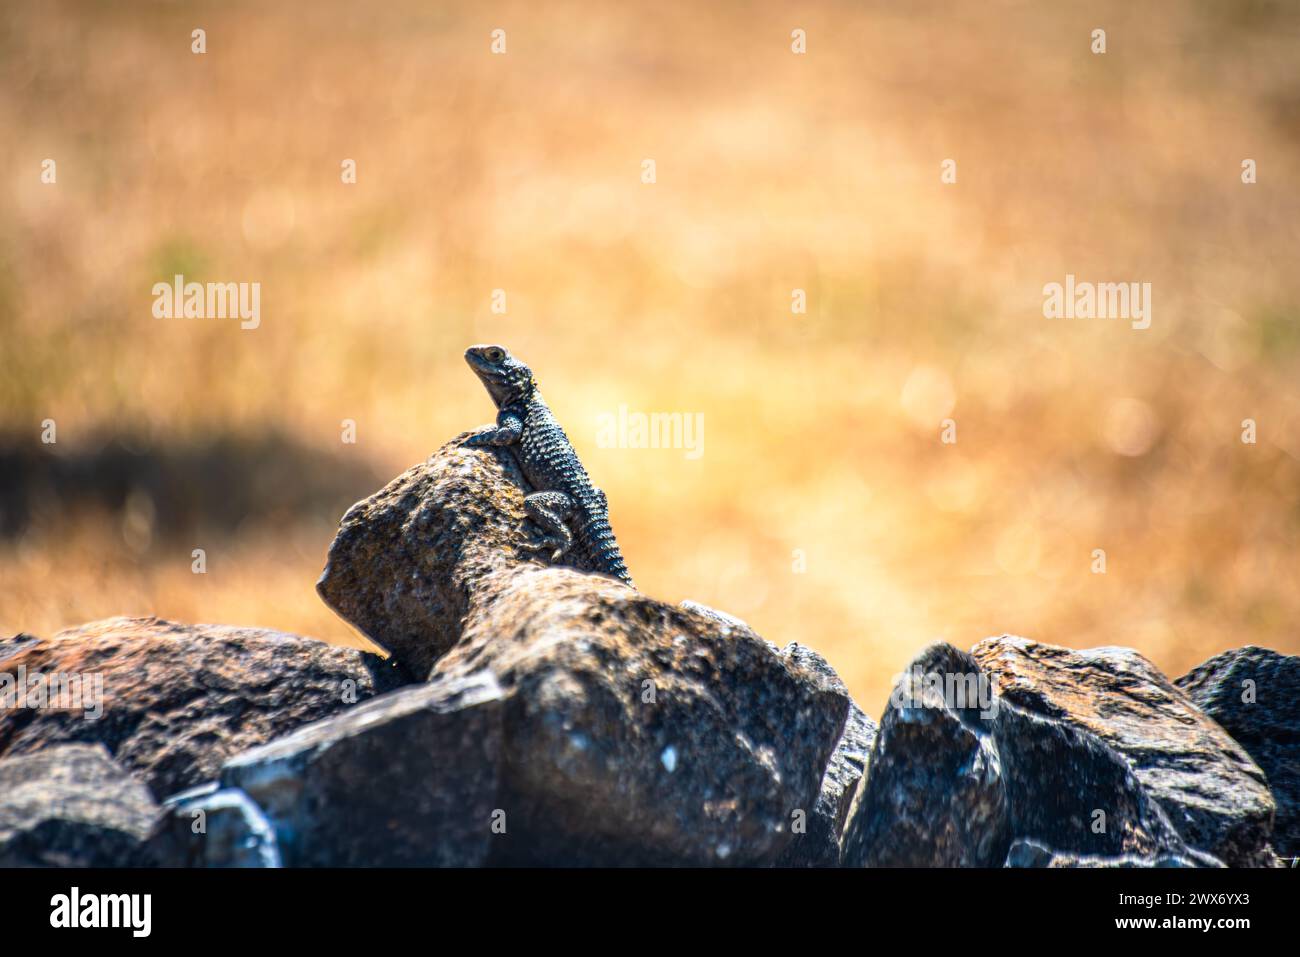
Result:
{"points": [[638, 732], [177, 700], [408, 560], [71, 806], [1211, 790], [1091, 754]]}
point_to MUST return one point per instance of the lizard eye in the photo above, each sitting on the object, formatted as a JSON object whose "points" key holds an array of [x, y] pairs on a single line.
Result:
{"points": [[495, 355]]}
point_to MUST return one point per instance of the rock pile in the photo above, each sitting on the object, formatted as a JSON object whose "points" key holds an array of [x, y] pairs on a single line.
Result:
{"points": [[544, 715]]}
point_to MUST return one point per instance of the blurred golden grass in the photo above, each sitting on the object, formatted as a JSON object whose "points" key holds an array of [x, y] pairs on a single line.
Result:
{"points": [[775, 171]]}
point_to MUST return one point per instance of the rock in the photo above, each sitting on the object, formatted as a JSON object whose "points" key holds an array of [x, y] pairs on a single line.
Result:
{"points": [[644, 734], [1069, 789], [639, 733], [1254, 694], [12, 647], [177, 700], [71, 806], [1083, 752], [1029, 854], [211, 827], [410, 778], [935, 795], [635, 731], [407, 560], [819, 845], [1213, 793], [721, 617]]}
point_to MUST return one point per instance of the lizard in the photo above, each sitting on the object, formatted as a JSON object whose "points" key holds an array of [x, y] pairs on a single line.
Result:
{"points": [[562, 488]]}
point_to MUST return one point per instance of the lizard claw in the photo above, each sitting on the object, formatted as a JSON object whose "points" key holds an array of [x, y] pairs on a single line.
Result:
{"points": [[557, 547]]}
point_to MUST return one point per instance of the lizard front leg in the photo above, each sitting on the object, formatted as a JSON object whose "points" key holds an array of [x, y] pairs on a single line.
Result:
{"points": [[509, 427], [549, 510]]}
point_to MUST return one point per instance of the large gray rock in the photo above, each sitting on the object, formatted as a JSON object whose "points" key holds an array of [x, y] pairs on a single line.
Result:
{"points": [[1094, 754], [1213, 793], [1069, 789], [635, 731], [935, 794], [1254, 694], [408, 779], [638, 732], [71, 806], [177, 700]]}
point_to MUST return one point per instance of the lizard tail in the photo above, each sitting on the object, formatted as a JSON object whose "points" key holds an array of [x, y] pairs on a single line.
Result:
{"points": [[605, 554]]}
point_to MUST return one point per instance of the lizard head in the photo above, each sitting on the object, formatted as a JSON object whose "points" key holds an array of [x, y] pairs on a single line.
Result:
{"points": [[505, 377]]}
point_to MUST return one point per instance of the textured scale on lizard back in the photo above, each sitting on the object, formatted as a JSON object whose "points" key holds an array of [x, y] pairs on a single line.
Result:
{"points": [[549, 462], [546, 456]]}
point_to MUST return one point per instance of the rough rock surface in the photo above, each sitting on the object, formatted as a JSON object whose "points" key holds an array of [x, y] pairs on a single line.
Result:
{"points": [[407, 560], [212, 827], [71, 806], [819, 845], [638, 732], [935, 794], [1214, 794], [408, 779], [179, 699], [1094, 754], [1069, 789], [1254, 694]]}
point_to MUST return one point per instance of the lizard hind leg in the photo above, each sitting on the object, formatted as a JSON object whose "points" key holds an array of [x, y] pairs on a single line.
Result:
{"points": [[549, 510]]}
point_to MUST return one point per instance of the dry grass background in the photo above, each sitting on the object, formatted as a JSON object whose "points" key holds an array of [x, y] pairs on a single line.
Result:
{"points": [[775, 171]]}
